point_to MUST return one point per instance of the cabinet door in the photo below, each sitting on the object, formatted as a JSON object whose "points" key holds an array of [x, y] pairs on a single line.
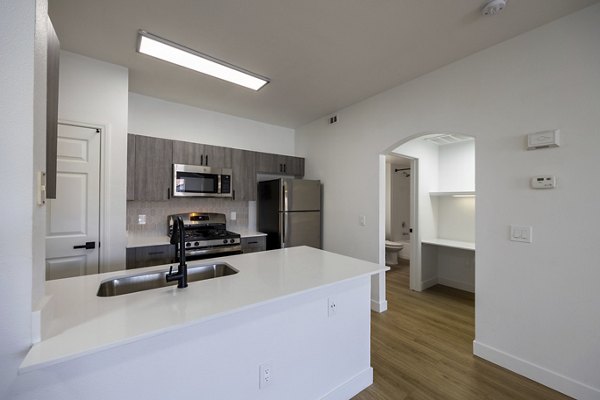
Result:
{"points": [[153, 168], [149, 256], [268, 163], [293, 166], [188, 153], [254, 244], [244, 174], [217, 156], [53, 56], [131, 167]]}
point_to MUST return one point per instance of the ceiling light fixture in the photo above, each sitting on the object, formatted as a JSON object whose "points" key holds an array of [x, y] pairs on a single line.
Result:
{"points": [[166, 50]]}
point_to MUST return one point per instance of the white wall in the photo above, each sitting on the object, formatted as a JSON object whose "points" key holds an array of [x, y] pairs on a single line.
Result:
{"points": [[94, 92], [536, 305], [17, 27], [457, 167], [158, 118]]}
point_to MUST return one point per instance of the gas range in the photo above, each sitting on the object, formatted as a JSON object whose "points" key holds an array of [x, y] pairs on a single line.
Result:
{"points": [[206, 235]]}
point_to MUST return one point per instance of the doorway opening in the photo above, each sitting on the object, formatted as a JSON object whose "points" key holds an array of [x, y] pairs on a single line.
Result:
{"points": [[430, 209]]}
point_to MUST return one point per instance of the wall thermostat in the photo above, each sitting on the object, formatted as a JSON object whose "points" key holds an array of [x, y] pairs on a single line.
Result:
{"points": [[543, 140], [543, 182]]}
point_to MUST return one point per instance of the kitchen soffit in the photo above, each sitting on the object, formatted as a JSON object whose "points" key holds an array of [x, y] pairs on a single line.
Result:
{"points": [[321, 56]]}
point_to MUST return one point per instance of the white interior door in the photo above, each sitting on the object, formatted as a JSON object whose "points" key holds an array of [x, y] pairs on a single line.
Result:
{"points": [[73, 218]]}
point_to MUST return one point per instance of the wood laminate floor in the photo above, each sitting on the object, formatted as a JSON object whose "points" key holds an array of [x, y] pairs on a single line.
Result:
{"points": [[422, 348]]}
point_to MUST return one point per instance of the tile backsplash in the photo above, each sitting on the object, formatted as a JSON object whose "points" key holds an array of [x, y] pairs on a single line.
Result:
{"points": [[156, 213]]}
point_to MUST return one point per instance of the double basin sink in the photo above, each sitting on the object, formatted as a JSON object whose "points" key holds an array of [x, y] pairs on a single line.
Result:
{"points": [[157, 279]]}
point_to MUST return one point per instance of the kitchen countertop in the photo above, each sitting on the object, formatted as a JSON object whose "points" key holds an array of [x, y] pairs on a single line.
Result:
{"points": [[85, 323], [137, 240], [450, 243]]}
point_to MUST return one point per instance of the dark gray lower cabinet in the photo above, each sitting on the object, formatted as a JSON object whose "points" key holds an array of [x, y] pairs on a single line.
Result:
{"points": [[138, 257], [254, 244]]}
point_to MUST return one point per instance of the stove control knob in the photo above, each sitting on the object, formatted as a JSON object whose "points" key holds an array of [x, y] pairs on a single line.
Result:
{"points": [[196, 244], [188, 244], [232, 240], [225, 241]]}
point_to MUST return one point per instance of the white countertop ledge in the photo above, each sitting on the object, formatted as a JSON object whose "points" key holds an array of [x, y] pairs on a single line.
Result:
{"points": [[85, 323], [456, 244]]}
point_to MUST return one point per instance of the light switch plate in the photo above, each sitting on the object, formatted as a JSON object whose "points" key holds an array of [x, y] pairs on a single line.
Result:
{"points": [[521, 233]]}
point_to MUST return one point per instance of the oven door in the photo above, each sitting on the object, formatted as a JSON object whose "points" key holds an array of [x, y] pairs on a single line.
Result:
{"points": [[195, 181]]}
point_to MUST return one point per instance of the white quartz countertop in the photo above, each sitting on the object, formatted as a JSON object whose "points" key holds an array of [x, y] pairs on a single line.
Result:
{"points": [[137, 240], [450, 243], [85, 323]]}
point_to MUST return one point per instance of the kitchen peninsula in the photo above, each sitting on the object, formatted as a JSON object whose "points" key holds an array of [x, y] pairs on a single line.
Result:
{"points": [[291, 310]]}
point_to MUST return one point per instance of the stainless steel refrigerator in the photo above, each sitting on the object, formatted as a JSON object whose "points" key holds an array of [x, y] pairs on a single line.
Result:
{"points": [[289, 212]]}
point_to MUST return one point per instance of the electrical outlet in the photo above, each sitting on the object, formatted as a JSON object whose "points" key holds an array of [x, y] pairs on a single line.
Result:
{"points": [[331, 307], [141, 219], [265, 375], [233, 216]]}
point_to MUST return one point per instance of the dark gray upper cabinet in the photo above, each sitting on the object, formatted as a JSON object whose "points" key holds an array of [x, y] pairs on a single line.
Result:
{"points": [[244, 174], [150, 171], [279, 164], [153, 168], [201, 154], [131, 167], [52, 66]]}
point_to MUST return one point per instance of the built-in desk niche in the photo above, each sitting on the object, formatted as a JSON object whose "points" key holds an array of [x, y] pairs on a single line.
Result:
{"points": [[449, 258]]}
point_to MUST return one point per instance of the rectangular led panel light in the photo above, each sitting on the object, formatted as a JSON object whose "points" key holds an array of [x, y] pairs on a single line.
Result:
{"points": [[165, 50]]}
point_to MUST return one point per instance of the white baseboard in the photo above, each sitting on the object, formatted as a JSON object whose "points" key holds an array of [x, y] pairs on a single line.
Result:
{"points": [[352, 386], [378, 306], [429, 283], [469, 287], [537, 373]]}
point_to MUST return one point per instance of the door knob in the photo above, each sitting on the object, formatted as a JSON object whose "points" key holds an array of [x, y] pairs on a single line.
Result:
{"points": [[87, 246]]}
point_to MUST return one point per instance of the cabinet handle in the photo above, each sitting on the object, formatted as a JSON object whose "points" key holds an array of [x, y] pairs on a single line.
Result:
{"points": [[168, 193], [252, 242], [233, 194], [206, 156], [285, 168], [155, 253], [201, 159]]}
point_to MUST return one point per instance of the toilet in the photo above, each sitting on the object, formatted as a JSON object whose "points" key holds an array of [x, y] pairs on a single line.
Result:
{"points": [[392, 249]]}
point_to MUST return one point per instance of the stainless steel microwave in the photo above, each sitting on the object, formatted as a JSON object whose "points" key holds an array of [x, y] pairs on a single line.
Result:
{"points": [[199, 181]]}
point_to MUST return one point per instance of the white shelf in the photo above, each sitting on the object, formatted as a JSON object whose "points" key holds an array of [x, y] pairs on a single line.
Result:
{"points": [[451, 194], [455, 244]]}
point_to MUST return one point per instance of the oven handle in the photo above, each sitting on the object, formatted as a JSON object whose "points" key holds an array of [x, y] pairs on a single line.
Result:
{"points": [[213, 250]]}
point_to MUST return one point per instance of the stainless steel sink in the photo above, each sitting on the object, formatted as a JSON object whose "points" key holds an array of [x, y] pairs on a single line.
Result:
{"points": [[156, 279]]}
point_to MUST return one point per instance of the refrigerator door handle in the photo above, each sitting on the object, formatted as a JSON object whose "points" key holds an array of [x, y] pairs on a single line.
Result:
{"points": [[282, 217]]}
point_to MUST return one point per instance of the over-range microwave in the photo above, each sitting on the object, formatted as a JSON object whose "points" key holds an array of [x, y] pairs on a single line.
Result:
{"points": [[199, 181]]}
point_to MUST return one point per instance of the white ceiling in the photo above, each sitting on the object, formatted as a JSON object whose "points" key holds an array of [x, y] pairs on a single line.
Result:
{"points": [[321, 55]]}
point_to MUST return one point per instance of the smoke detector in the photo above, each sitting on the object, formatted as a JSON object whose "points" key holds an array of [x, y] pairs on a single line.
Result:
{"points": [[493, 7]]}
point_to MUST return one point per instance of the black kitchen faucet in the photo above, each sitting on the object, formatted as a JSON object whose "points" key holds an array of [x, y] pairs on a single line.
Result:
{"points": [[181, 276]]}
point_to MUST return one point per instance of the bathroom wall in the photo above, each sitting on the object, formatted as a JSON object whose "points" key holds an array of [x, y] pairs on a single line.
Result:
{"points": [[399, 203]]}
